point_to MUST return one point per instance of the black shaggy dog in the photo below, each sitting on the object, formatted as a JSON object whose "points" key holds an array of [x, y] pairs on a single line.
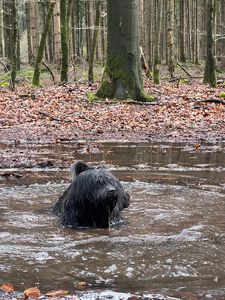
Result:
{"points": [[95, 198]]}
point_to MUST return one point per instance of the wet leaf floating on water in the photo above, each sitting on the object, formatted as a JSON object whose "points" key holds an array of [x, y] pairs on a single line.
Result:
{"points": [[197, 146], [7, 288], [32, 292], [82, 285], [57, 293]]}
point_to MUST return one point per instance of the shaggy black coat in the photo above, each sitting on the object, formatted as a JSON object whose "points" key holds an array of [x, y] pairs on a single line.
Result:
{"points": [[95, 198]]}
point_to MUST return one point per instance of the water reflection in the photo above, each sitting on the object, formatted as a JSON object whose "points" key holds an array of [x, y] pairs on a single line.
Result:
{"points": [[173, 238]]}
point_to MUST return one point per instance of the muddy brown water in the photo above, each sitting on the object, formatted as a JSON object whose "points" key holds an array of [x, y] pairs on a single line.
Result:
{"points": [[173, 238]]}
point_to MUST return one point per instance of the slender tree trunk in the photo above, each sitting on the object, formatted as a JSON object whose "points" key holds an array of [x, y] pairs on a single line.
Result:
{"points": [[210, 74], [56, 34], [7, 25], [170, 36], [158, 21], [14, 44], [88, 20], [182, 31], [34, 28], [29, 46], [148, 33], [103, 43], [1, 32], [122, 76], [94, 42], [64, 40], [36, 76]]}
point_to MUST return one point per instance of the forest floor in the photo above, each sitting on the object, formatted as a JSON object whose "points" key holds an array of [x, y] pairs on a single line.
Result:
{"points": [[190, 112]]}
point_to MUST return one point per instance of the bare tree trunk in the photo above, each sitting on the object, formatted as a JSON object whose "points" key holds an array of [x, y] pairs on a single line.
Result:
{"points": [[14, 44], [182, 30], [170, 36], [7, 19], [29, 46], [56, 34], [94, 42], [210, 74], [36, 76], [34, 29], [158, 21], [64, 40], [1, 31]]}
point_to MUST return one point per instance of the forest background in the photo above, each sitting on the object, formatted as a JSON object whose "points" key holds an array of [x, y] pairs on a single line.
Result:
{"points": [[65, 41], [169, 30]]}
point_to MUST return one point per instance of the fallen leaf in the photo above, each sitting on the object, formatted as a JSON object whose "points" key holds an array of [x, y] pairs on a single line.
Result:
{"points": [[197, 146], [81, 285], [33, 292], [57, 293], [7, 288]]}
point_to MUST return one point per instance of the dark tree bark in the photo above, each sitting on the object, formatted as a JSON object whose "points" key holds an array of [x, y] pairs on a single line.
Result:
{"points": [[210, 74], [36, 76], [122, 77], [64, 40], [182, 30], [14, 44]]}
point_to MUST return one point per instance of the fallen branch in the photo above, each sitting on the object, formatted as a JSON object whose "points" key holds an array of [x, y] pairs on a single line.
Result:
{"points": [[144, 64], [80, 115], [47, 67], [185, 78], [212, 100], [15, 125], [154, 102], [184, 69], [52, 117]]}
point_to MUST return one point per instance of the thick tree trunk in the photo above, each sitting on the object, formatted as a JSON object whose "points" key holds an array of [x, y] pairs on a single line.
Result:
{"points": [[36, 76], [122, 76], [210, 74]]}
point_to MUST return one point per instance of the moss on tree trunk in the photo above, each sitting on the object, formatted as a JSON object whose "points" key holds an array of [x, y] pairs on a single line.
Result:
{"points": [[122, 76]]}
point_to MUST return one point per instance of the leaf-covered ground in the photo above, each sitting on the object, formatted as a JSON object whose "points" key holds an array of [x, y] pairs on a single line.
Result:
{"points": [[63, 113]]}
